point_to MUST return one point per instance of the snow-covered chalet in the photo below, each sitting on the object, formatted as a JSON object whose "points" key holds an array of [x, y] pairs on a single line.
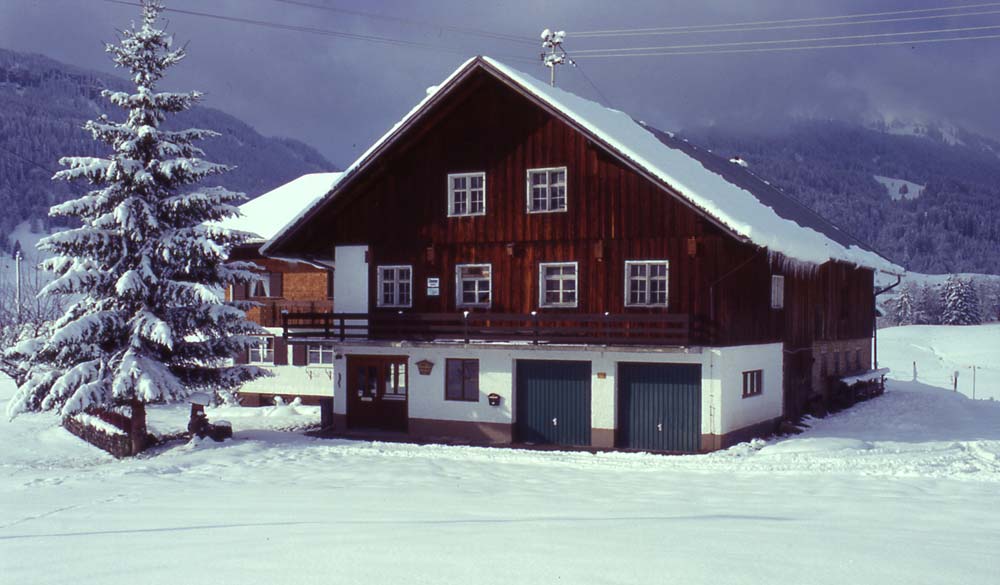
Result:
{"points": [[286, 286], [516, 264]]}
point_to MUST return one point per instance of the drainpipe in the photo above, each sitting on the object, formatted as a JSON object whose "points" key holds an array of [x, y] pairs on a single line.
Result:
{"points": [[899, 279]]}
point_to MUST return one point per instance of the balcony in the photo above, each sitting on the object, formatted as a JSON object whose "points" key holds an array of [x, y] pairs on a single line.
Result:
{"points": [[270, 310], [588, 329]]}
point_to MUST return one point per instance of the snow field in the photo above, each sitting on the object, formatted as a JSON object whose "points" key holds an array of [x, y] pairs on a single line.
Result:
{"points": [[902, 489]]}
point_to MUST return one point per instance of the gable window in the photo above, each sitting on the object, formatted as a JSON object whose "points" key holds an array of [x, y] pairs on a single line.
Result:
{"points": [[461, 380], [319, 354], [753, 383], [777, 292], [557, 284], [473, 285], [646, 283], [395, 286], [262, 351], [546, 190], [466, 194]]}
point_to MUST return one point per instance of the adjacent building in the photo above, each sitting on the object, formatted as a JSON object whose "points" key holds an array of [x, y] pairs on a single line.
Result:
{"points": [[286, 286]]}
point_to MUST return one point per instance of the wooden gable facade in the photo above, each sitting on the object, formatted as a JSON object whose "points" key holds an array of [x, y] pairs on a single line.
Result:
{"points": [[398, 207]]}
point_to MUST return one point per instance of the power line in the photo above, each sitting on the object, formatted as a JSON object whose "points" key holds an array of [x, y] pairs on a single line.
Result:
{"points": [[786, 49], [28, 160], [787, 41], [788, 20], [457, 29], [721, 29], [317, 31]]}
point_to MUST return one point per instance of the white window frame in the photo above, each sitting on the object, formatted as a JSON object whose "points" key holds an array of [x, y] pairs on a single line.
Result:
{"points": [[777, 291], [548, 190], [319, 350], [395, 296], [628, 283], [468, 193], [541, 284], [258, 357], [459, 301]]}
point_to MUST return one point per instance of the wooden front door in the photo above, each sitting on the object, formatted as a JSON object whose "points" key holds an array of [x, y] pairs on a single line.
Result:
{"points": [[376, 392]]}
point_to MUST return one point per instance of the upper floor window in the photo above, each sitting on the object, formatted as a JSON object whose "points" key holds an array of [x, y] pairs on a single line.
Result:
{"points": [[395, 286], [558, 284], [473, 285], [262, 351], [268, 285], [777, 292], [466, 194], [546, 190], [319, 354], [646, 283]]}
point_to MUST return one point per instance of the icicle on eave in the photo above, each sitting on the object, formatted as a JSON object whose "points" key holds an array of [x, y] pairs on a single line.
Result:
{"points": [[786, 265]]}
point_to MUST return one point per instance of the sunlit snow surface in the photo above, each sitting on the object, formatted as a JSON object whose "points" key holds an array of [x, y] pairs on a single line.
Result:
{"points": [[903, 489]]}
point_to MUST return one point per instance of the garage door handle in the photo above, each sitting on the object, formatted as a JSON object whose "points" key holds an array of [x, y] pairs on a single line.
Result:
{"points": [[555, 422], [659, 427]]}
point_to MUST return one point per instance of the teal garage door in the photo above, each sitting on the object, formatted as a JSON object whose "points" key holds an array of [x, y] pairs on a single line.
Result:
{"points": [[553, 402], [659, 407]]}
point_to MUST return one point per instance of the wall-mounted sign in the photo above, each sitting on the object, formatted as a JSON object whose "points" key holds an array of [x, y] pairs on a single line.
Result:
{"points": [[433, 287], [425, 367]]}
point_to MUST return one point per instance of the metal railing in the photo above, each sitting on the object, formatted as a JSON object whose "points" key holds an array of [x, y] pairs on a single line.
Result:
{"points": [[605, 329]]}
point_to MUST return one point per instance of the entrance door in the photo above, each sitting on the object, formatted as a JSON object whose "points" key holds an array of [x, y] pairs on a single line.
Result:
{"points": [[553, 402], [659, 407], [376, 392]]}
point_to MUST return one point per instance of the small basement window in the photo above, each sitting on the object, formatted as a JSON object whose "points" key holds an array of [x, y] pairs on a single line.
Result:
{"points": [[546, 190], [319, 354], [466, 194], [646, 283], [753, 383], [777, 292], [262, 351], [461, 380], [558, 284], [473, 285], [395, 286]]}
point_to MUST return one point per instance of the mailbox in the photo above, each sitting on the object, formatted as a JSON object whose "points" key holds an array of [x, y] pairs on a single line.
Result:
{"points": [[494, 399]]}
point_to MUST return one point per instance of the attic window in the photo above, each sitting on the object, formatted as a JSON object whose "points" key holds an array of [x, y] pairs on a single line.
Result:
{"points": [[777, 292], [546, 190], [466, 194]]}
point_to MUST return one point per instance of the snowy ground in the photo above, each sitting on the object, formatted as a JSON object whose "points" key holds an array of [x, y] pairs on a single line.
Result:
{"points": [[903, 489]]}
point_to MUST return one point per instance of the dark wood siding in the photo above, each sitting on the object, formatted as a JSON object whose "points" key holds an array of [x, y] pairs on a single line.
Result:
{"points": [[399, 208]]}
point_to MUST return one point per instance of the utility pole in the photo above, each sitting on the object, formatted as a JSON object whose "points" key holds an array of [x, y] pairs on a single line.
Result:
{"points": [[17, 283], [555, 55]]}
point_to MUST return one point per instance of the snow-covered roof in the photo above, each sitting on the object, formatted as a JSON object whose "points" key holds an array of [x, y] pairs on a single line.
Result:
{"points": [[266, 215], [728, 193]]}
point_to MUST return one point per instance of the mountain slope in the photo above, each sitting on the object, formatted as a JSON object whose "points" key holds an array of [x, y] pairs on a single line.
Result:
{"points": [[953, 225], [45, 103]]}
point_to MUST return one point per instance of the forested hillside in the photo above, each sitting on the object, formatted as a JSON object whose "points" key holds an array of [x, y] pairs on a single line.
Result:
{"points": [[951, 225], [44, 103]]}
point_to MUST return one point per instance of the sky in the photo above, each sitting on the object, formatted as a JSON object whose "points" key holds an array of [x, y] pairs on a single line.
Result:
{"points": [[333, 81]]}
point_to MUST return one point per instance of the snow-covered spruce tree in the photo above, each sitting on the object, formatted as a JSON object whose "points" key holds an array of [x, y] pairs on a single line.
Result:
{"points": [[961, 307], [145, 268], [903, 312]]}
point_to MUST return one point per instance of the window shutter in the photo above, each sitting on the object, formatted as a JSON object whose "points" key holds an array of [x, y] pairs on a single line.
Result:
{"points": [[240, 291], [280, 351], [276, 284], [298, 355], [329, 284]]}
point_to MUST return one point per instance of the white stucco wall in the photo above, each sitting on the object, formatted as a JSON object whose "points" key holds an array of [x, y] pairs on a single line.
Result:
{"points": [[350, 287], [725, 372], [723, 408]]}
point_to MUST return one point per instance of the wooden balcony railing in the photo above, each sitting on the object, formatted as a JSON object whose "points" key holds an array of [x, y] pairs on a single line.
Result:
{"points": [[269, 313], [617, 329]]}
